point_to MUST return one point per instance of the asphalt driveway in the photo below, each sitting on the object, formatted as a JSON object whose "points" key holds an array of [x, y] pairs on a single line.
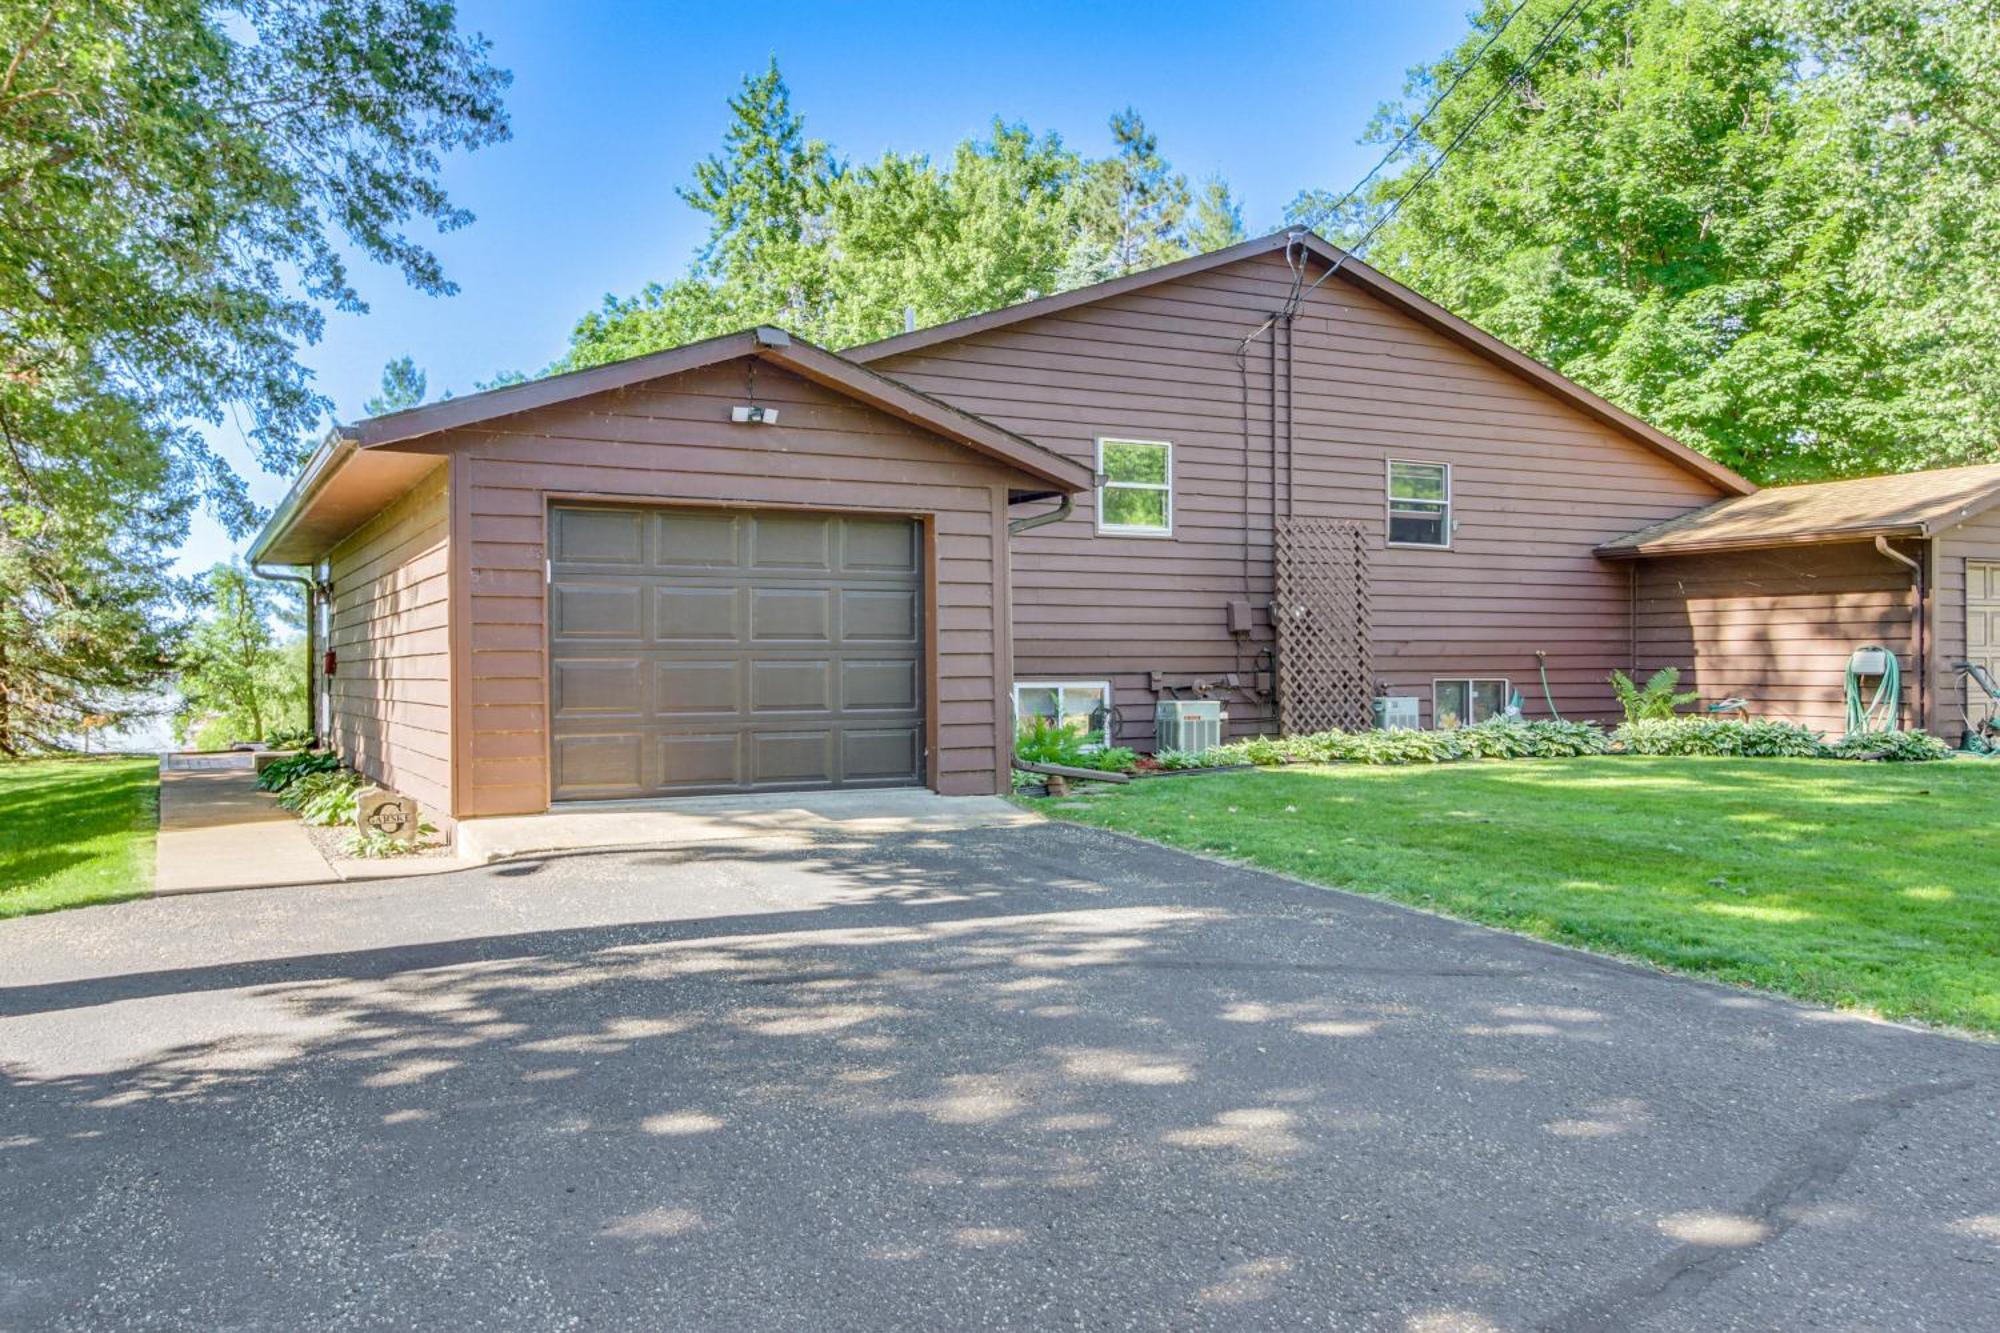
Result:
{"points": [[1007, 1077]]}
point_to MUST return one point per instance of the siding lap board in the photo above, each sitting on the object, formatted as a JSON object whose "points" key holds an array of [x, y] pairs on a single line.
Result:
{"points": [[388, 703], [1536, 485]]}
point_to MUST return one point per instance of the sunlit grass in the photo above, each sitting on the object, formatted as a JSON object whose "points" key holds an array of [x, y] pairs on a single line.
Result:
{"points": [[1860, 885], [76, 831]]}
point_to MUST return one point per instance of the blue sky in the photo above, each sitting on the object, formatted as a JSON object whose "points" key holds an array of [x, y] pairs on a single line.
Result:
{"points": [[613, 102]]}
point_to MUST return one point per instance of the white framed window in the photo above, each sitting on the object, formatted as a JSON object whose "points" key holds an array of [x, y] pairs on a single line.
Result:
{"points": [[1084, 706], [1419, 504], [1462, 703], [1135, 491]]}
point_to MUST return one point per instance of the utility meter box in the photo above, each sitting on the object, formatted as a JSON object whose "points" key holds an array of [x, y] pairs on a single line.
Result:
{"points": [[1396, 712]]}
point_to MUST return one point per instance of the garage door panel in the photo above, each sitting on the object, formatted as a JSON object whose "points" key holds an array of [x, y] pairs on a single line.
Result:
{"points": [[890, 755], [779, 686], [791, 615], [878, 686], [596, 611], [767, 651], [599, 536], [788, 758], [1982, 629], [698, 761], [878, 546], [878, 615], [693, 540], [697, 615], [684, 688], [598, 686], [601, 765], [792, 542]]}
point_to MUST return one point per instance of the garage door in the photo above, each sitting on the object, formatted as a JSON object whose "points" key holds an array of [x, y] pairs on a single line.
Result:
{"points": [[698, 651], [1982, 628]]}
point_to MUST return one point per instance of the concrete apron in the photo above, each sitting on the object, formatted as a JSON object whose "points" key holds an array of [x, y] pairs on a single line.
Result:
{"points": [[217, 831], [697, 819]]}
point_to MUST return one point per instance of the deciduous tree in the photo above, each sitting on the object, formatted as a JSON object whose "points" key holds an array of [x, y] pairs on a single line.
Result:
{"points": [[178, 182]]}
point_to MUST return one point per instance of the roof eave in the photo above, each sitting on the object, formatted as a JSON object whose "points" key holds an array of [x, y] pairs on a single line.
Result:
{"points": [[333, 452], [1723, 546]]}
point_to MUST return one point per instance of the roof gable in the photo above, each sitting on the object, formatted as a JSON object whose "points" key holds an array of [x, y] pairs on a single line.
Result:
{"points": [[378, 456], [1347, 269]]}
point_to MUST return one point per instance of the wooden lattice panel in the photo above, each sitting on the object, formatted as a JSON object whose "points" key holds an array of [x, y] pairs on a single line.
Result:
{"points": [[1325, 678]]}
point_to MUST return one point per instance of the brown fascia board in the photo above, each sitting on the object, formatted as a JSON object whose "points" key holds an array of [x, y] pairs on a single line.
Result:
{"points": [[1379, 285], [1723, 546], [769, 344]]}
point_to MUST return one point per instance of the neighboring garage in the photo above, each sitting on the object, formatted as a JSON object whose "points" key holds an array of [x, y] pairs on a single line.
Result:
{"points": [[742, 565], [1764, 596], [705, 650]]}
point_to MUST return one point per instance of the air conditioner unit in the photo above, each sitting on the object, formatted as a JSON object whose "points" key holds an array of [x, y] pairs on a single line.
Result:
{"points": [[1188, 724], [1396, 712]]}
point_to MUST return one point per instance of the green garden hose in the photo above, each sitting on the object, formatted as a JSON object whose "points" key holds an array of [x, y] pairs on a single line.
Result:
{"points": [[1879, 713], [1542, 665]]}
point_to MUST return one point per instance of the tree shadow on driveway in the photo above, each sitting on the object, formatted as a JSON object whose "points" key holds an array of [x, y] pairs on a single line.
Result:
{"points": [[1010, 1077]]}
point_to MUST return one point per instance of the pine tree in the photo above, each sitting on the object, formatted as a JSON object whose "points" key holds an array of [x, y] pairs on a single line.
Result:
{"points": [[403, 387], [1217, 222], [765, 196], [1134, 203]]}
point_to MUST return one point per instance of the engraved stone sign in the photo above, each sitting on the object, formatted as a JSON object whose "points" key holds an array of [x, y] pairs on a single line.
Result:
{"points": [[379, 810]]}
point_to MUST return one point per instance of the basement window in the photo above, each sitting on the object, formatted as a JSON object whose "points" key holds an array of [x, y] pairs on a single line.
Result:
{"points": [[1135, 494], [1082, 706], [1419, 504], [1462, 703]]}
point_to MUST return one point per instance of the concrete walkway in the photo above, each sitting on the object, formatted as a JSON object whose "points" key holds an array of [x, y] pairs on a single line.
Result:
{"points": [[705, 819], [217, 831]]}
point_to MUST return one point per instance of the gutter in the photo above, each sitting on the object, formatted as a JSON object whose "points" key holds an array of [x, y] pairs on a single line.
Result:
{"points": [[332, 454], [1729, 545]]}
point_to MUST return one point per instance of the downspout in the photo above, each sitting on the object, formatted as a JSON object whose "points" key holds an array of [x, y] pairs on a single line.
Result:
{"points": [[1063, 509], [1919, 627], [312, 647]]}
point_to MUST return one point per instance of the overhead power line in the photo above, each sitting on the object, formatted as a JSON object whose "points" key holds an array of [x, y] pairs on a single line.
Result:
{"points": [[1535, 55]]}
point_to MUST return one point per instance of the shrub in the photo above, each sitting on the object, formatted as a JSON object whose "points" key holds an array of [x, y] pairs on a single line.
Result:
{"points": [[1902, 747], [289, 738], [324, 798], [1041, 741], [1499, 738], [1653, 701], [280, 773], [375, 844], [1178, 760], [1682, 736]]}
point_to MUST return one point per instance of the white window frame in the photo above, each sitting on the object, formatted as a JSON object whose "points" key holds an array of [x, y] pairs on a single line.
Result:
{"points": [[1104, 484], [1506, 696], [1389, 506], [1059, 686]]}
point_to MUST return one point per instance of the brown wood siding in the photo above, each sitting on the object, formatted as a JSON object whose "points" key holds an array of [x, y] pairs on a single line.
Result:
{"points": [[1977, 539], [1775, 627], [672, 440], [389, 702], [1536, 484]]}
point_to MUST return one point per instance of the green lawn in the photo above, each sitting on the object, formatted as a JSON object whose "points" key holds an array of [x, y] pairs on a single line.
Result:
{"points": [[76, 831], [1868, 886]]}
